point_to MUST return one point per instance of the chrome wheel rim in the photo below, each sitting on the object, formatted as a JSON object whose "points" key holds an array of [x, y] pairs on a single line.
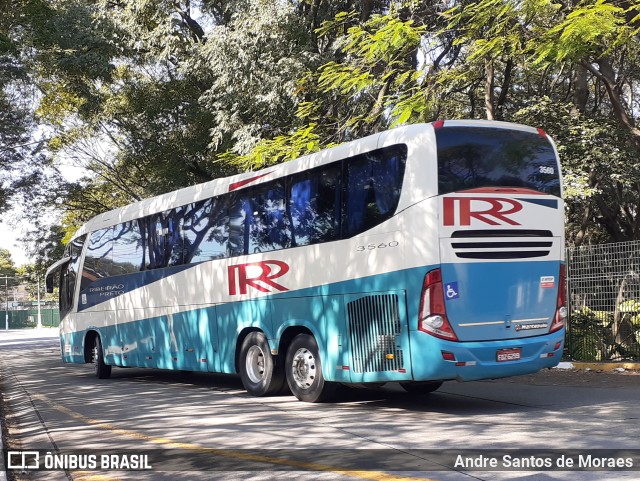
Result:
{"points": [[255, 364], [303, 368]]}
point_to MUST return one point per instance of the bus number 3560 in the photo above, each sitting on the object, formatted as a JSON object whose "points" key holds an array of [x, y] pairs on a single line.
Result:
{"points": [[382, 245]]}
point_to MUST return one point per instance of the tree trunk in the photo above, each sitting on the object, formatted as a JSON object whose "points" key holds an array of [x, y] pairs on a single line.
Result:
{"points": [[488, 89], [504, 90], [586, 214], [606, 74], [580, 90], [312, 21], [367, 8]]}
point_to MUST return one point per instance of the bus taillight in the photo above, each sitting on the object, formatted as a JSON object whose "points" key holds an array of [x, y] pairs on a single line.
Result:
{"points": [[561, 305], [432, 317]]}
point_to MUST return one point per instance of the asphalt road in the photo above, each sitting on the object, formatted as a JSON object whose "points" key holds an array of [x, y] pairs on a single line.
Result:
{"points": [[204, 426]]}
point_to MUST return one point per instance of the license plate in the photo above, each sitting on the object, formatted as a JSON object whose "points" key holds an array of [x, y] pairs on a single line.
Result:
{"points": [[506, 355]]}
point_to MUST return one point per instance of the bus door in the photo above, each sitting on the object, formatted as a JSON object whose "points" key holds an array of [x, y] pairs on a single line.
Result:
{"points": [[378, 336]]}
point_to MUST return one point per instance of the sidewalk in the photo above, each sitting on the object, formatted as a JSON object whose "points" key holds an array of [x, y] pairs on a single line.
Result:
{"points": [[11, 392], [42, 333], [3, 468]]}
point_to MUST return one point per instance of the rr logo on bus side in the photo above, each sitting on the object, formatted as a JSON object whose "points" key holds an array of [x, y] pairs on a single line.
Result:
{"points": [[256, 275], [490, 210]]}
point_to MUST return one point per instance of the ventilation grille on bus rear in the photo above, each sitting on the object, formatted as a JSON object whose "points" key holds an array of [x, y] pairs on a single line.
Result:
{"points": [[512, 249], [374, 323]]}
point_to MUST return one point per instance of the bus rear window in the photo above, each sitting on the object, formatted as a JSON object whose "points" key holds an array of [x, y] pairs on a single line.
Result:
{"points": [[474, 157]]}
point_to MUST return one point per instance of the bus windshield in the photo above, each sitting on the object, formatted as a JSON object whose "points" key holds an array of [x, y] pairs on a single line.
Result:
{"points": [[476, 157]]}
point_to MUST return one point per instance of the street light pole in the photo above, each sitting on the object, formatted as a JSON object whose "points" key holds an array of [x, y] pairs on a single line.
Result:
{"points": [[39, 310], [6, 294]]}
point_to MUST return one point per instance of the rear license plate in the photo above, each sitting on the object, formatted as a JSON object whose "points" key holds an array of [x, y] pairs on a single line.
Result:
{"points": [[506, 355]]}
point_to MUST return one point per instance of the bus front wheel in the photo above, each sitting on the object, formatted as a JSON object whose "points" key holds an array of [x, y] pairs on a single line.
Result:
{"points": [[258, 371], [304, 371], [103, 370]]}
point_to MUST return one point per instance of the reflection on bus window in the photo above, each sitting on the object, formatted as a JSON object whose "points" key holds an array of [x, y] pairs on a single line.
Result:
{"points": [[315, 206], [164, 243], [205, 230], [128, 248], [268, 227], [373, 183], [98, 262], [474, 157], [238, 235]]}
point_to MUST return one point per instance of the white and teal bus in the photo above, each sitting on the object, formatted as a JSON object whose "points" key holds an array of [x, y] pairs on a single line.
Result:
{"points": [[422, 254]]}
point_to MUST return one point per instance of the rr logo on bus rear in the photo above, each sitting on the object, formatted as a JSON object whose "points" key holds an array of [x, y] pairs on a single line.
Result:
{"points": [[257, 275], [490, 210]]}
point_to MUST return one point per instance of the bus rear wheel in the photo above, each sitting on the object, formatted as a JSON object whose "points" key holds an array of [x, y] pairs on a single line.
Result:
{"points": [[259, 374], [103, 370], [304, 371], [421, 387]]}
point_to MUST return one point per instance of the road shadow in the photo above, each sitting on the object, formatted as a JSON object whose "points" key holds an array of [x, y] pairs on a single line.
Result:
{"points": [[493, 397]]}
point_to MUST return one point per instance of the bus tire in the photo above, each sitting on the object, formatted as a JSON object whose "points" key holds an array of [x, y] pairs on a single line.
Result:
{"points": [[259, 374], [103, 370], [303, 368], [421, 387]]}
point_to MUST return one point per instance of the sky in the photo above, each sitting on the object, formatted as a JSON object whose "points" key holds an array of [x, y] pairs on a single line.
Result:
{"points": [[11, 228], [8, 240]]}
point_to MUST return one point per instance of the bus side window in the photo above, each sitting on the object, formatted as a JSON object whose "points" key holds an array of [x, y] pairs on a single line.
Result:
{"points": [[238, 233], [257, 220], [268, 225], [164, 243], [314, 203], [155, 241], [173, 240], [128, 248], [205, 230], [98, 262], [373, 183]]}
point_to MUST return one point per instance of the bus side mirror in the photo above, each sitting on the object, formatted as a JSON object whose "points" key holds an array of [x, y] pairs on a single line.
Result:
{"points": [[49, 283], [51, 271]]}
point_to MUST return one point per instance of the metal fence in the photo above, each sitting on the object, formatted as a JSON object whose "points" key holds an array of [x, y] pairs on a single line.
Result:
{"points": [[604, 302], [24, 318]]}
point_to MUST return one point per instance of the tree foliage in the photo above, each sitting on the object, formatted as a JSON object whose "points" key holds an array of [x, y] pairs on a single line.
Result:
{"points": [[19, 144], [567, 68], [153, 95], [7, 266]]}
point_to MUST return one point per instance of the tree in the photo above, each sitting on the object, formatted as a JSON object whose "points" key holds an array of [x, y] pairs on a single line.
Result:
{"points": [[19, 148], [565, 68], [7, 270], [151, 96], [7, 266]]}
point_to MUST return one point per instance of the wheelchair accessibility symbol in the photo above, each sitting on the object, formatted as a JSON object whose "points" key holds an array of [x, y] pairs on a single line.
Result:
{"points": [[451, 291]]}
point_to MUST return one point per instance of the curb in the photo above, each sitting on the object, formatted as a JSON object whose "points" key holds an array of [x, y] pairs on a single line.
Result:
{"points": [[3, 468], [607, 366], [601, 366], [21, 405]]}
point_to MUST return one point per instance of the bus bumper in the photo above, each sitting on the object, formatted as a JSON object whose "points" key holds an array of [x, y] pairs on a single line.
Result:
{"points": [[435, 359]]}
